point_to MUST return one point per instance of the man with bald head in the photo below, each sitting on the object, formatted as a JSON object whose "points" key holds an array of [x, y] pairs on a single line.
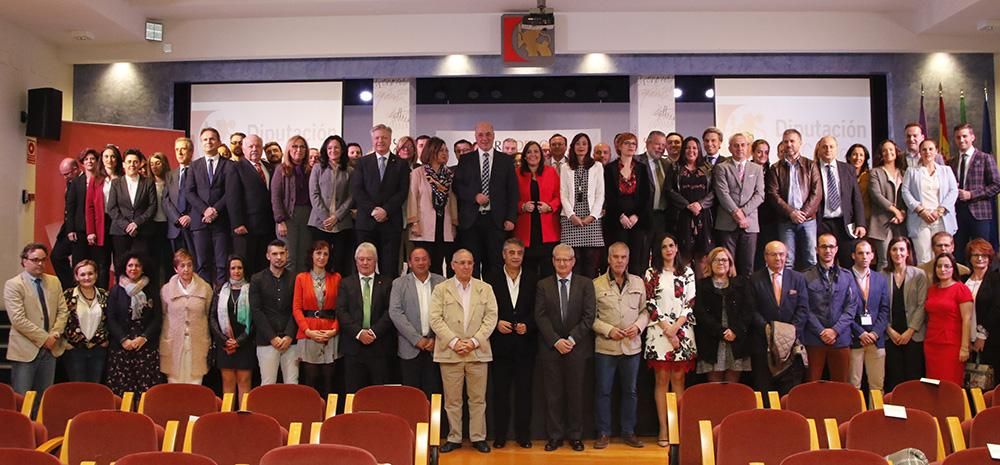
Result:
{"points": [[62, 249], [486, 188], [252, 217], [602, 153], [841, 212], [779, 294], [739, 191]]}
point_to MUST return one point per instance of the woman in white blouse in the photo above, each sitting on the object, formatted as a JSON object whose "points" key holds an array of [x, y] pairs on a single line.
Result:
{"points": [[581, 193], [86, 333], [929, 191]]}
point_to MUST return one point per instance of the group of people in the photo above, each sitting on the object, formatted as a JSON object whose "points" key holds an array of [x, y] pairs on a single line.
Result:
{"points": [[731, 267]]}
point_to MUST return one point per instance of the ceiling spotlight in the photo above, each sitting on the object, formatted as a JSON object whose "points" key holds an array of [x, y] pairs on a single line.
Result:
{"points": [[603, 93], [569, 93], [472, 94], [495, 93], [538, 93], [710, 93], [365, 96], [678, 92], [82, 35], [440, 95]]}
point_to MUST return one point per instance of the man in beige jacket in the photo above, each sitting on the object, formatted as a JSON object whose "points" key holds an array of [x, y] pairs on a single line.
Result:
{"points": [[621, 317], [38, 313], [463, 314]]}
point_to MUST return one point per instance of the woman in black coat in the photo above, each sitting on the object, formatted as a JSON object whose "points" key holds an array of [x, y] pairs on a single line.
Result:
{"points": [[134, 319], [723, 310], [628, 203]]}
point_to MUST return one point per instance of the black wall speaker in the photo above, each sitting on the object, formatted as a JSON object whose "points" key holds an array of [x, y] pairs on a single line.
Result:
{"points": [[44, 113]]}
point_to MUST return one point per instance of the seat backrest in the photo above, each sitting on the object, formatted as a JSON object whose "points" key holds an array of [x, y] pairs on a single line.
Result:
{"points": [[708, 401], [63, 401], [318, 454], [985, 428], [235, 437], [387, 436], [873, 431], [752, 436], [974, 456], [8, 401], [27, 457], [839, 457], [287, 403], [820, 400], [407, 402], [942, 400], [17, 430], [165, 458], [104, 436], [165, 402]]}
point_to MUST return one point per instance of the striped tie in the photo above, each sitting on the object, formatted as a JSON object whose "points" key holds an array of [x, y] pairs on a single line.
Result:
{"points": [[832, 192], [486, 173]]}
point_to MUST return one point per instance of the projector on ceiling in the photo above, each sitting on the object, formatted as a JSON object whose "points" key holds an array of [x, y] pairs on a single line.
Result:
{"points": [[539, 18]]}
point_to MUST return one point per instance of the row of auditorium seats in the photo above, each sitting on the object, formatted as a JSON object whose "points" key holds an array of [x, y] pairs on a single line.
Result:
{"points": [[726, 424], [393, 423]]}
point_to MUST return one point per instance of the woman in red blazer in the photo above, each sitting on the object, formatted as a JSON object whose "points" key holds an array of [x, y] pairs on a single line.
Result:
{"points": [[98, 221], [538, 210], [313, 303]]}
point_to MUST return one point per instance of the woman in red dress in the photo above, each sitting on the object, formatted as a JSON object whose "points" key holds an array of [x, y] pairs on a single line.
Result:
{"points": [[949, 308]]}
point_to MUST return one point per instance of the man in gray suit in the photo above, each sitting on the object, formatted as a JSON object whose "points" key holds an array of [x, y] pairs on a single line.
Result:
{"points": [[409, 309], [175, 204], [739, 189]]}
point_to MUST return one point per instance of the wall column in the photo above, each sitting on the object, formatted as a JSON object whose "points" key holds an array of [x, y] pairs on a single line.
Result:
{"points": [[394, 104], [652, 106]]}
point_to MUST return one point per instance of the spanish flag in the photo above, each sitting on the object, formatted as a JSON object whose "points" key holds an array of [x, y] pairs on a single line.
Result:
{"points": [[943, 148]]}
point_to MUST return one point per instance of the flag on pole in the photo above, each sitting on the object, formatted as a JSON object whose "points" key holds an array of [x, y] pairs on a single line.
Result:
{"points": [[943, 148], [923, 117], [961, 108], [986, 140]]}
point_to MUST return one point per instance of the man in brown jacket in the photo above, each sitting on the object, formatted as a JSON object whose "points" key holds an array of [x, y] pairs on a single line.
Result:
{"points": [[793, 188]]}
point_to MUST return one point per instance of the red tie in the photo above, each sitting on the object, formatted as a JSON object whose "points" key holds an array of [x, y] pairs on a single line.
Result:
{"points": [[263, 177]]}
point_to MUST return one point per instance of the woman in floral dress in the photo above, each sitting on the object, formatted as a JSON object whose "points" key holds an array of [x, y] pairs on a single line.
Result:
{"points": [[670, 347]]}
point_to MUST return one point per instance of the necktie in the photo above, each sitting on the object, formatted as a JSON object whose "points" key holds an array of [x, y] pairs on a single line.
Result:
{"points": [[41, 298], [742, 169], [832, 192], [381, 168], [486, 174], [563, 298], [366, 296], [182, 196], [776, 286], [961, 171], [211, 170], [263, 177], [659, 173]]}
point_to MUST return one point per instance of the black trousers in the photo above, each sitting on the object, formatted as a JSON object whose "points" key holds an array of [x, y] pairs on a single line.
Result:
{"points": [[317, 375], [252, 247], [485, 241], [387, 240], [564, 377], [61, 263], [516, 373], [364, 371], [422, 373], [160, 251], [763, 381], [637, 241], [538, 259], [588, 261], [903, 363]]}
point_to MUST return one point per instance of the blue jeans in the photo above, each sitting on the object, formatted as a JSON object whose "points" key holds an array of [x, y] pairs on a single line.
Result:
{"points": [[970, 228], [627, 367], [36, 375], [799, 238], [84, 364]]}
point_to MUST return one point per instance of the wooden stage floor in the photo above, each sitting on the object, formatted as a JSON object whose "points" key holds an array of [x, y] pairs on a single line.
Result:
{"points": [[616, 453]]}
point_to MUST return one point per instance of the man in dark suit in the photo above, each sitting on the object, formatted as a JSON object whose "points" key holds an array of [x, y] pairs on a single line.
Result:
{"points": [[978, 186], [780, 294], [251, 216], [380, 185], [409, 309], [175, 204], [210, 186], [363, 311], [841, 212], [486, 188], [513, 345], [565, 308], [711, 139], [656, 160], [64, 247]]}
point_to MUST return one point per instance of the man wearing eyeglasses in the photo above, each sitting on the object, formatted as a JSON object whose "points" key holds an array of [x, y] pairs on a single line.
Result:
{"points": [[834, 301], [38, 316]]}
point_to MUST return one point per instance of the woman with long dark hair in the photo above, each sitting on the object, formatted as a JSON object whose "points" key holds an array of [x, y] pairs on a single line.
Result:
{"points": [[230, 319], [313, 304], [904, 351], [330, 196], [888, 212], [581, 195], [689, 188], [134, 321], [538, 210], [159, 245], [949, 307], [98, 221], [431, 208]]}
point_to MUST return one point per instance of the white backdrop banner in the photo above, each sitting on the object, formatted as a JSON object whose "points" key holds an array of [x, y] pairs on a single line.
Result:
{"points": [[765, 108], [522, 137], [276, 110]]}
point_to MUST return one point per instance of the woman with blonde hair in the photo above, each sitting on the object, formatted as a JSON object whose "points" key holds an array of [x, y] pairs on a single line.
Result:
{"points": [[290, 201], [724, 309]]}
